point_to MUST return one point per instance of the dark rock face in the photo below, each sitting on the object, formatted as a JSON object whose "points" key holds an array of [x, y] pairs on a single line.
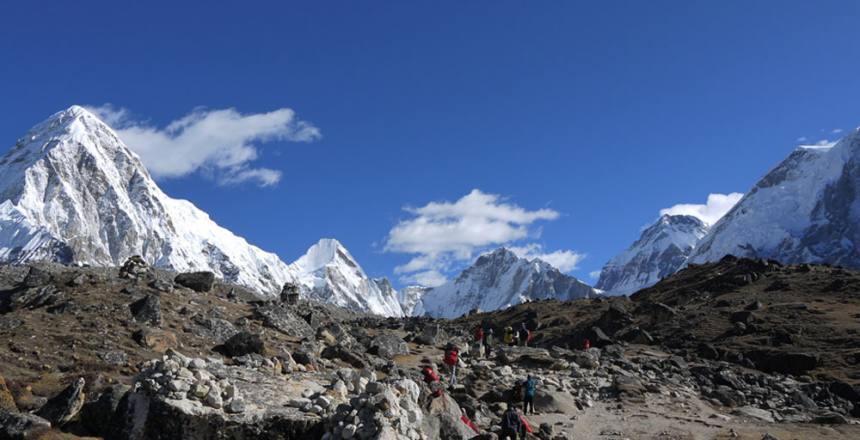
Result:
{"points": [[147, 309], [37, 277], [99, 416], [196, 281], [243, 343], [64, 406], [781, 362]]}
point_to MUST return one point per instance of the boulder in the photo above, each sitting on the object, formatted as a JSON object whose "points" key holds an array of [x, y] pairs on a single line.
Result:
{"points": [[283, 319], [37, 277], [147, 310], [598, 337], [64, 406], [387, 345], [243, 343], [431, 334], [196, 281], [783, 362], [14, 425], [99, 415]]}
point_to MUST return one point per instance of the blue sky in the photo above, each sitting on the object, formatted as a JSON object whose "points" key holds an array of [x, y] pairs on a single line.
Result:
{"points": [[602, 113]]}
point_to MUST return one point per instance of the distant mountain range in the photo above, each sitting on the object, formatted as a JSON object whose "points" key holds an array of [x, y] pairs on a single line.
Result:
{"points": [[806, 210], [71, 191]]}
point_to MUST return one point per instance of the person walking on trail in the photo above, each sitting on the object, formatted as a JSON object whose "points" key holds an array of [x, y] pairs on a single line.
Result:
{"points": [[478, 345], [452, 357], [524, 335], [586, 344], [488, 342], [511, 423], [529, 390], [509, 335]]}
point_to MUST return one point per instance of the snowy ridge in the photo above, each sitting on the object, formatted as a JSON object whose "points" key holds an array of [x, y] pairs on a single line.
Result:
{"points": [[660, 251], [804, 210], [410, 299], [72, 192], [329, 273], [498, 280]]}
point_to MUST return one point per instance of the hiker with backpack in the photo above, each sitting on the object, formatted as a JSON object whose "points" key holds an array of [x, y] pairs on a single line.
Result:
{"points": [[524, 335], [529, 391], [511, 423], [451, 358], [432, 381], [510, 337], [488, 342]]}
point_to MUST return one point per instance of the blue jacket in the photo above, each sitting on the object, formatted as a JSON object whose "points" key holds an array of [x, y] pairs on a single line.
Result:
{"points": [[531, 387]]}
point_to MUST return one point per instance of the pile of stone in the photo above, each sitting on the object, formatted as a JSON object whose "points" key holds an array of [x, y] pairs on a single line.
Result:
{"points": [[376, 410], [178, 377]]}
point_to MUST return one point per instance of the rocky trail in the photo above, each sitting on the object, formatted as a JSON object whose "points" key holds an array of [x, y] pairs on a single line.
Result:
{"points": [[737, 349]]}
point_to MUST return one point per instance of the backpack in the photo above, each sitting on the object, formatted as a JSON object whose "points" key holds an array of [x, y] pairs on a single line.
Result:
{"points": [[451, 356]]}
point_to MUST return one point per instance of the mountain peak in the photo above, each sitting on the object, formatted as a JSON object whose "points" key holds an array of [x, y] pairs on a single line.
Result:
{"points": [[499, 279], [662, 248]]}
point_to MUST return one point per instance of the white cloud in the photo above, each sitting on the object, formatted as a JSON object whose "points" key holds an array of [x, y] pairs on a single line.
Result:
{"points": [[563, 260], [716, 207], [802, 139], [836, 131], [427, 278], [594, 274], [220, 142], [441, 234]]}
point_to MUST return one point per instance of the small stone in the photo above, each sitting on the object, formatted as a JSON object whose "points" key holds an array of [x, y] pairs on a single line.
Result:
{"points": [[236, 406], [197, 364]]}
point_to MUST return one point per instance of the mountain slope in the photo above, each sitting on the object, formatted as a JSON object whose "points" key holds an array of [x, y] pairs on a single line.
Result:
{"points": [[410, 299], [501, 279], [74, 193], [330, 274], [806, 209], [660, 251]]}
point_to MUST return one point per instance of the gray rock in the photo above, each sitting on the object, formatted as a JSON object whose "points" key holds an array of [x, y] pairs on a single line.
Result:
{"points": [[196, 281], [64, 406], [147, 310], [243, 343], [14, 425]]}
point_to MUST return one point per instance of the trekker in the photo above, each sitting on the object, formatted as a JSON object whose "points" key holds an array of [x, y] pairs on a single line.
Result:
{"points": [[432, 381], [488, 342], [586, 344], [509, 335], [511, 423], [479, 334], [524, 335], [529, 390], [452, 357]]}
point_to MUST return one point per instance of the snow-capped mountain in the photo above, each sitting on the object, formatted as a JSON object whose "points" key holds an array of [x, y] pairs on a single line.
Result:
{"points": [[660, 251], [501, 279], [410, 299], [807, 209], [72, 192], [327, 272]]}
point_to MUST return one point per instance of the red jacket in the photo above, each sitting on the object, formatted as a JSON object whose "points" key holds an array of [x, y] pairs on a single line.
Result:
{"points": [[479, 334], [430, 376], [451, 357]]}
